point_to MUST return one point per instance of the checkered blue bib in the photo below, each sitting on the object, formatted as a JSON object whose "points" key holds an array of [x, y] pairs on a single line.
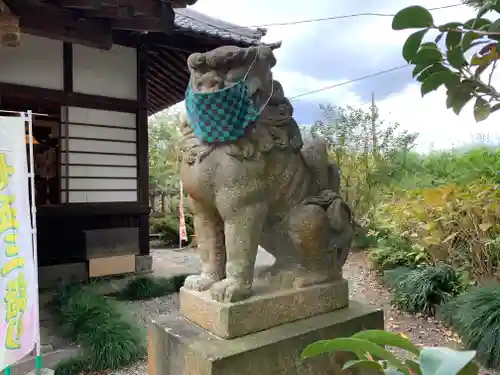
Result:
{"points": [[220, 116]]}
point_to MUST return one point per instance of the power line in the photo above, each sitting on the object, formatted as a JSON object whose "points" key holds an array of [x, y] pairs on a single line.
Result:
{"points": [[349, 81], [233, 29], [343, 16]]}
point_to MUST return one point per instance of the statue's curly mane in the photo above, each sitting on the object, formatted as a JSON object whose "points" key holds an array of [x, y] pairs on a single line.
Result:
{"points": [[275, 129]]}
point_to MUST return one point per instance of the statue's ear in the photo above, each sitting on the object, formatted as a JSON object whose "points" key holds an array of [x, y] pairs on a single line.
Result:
{"points": [[196, 61], [266, 54]]}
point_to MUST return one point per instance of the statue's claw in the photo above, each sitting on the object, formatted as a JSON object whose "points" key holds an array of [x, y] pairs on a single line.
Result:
{"points": [[200, 283], [230, 290]]}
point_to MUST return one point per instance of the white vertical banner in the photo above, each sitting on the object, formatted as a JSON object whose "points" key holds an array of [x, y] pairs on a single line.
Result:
{"points": [[18, 277], [182, 223]]}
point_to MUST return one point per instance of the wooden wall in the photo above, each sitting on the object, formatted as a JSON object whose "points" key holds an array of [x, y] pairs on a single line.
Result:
{"points": [[103, 153], [99, 157]]}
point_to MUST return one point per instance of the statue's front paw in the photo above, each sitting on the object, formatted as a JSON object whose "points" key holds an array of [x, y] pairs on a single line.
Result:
{"points": [[200, 283], [230, 290]]}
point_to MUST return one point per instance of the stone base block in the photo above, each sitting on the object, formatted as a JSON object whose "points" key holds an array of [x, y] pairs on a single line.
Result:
{"points": [[264, 310], [51, 276], [179, 347], [143, 263]]}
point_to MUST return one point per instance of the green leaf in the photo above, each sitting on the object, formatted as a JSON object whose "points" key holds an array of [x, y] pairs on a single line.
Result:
{"points": [[364, 364], [481, 110], [467, 40], [413, 366], [495, 26], [476, 23], [444, 361], [453, 39], [348, 344], [412, 45], [456, 58], [385, 338], [412, 17], [435, 80], [485, 8], [429, 71], [418, 69], [438, 38], [431, 45], [495, 108], [393, 371], [459, 97], [449, 101], [427, 56], [450, 25]]}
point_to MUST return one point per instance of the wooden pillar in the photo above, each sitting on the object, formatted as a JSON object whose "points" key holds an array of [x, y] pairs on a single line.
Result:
{"points": [[142, 146]]}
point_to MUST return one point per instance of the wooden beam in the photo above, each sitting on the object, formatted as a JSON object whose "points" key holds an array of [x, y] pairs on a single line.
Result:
{"points": [[80, 4], [148, 8], [71, 99], [10, 34], [111, 12], [162, 21], [181, 3], [138, 24], [63, 24], [86, 36]]}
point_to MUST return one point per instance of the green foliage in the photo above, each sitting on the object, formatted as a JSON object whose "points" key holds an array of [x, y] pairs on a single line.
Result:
{"points": [[453, 223], [466, 64], [148, 287], [475, 316], [369, 348], [168, 227], [164, 137], [361, 144], [423, 289], [107, 338], [396, 251], [72, 366]]}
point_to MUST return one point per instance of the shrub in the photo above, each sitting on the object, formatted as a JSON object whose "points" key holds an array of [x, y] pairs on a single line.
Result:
{"points": [[425, 288], [72, 366], [394, 276], [168, 227], [475, 316], [107, 338], [147, 287], [392, 252], [454, 223]]}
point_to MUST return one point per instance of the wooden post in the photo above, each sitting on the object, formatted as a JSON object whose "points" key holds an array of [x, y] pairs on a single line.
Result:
{"points": [[10, 35]]}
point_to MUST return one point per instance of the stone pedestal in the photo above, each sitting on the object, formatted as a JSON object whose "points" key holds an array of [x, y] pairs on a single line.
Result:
{"points": [[263, 335], [267, 308], [179, 347]]}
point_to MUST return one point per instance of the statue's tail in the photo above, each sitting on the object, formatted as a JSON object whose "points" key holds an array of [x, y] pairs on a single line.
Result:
{"points": [[326, 174], [341, 222]]}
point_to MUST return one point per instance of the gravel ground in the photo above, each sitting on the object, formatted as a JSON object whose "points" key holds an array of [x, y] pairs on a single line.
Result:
{"points": [[363, 286]]}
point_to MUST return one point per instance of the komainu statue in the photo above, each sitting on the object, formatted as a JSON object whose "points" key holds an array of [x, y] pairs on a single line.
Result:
{"points": [[251, 181]]}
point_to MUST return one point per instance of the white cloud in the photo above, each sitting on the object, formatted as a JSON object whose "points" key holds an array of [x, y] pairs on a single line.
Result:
{"points": [[296, 83], [438, 127]]}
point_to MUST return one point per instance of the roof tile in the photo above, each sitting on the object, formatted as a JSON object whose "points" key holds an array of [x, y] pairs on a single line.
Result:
{"points": [[191, 20]]}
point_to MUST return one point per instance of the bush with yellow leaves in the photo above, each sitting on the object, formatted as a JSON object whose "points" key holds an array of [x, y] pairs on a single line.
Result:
{"points": [[456, 224]]}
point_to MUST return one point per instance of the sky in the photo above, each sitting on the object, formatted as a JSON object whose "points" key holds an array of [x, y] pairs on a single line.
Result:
{"points": [[319, 54]]}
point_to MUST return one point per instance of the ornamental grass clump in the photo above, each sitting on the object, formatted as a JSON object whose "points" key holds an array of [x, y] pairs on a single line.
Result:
{"points": [[475, 317], [424, 289], [109, 340]]}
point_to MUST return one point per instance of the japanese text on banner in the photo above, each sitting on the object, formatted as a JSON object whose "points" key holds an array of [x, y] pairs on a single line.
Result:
{"points": [[18, 282], [15, 295]]}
